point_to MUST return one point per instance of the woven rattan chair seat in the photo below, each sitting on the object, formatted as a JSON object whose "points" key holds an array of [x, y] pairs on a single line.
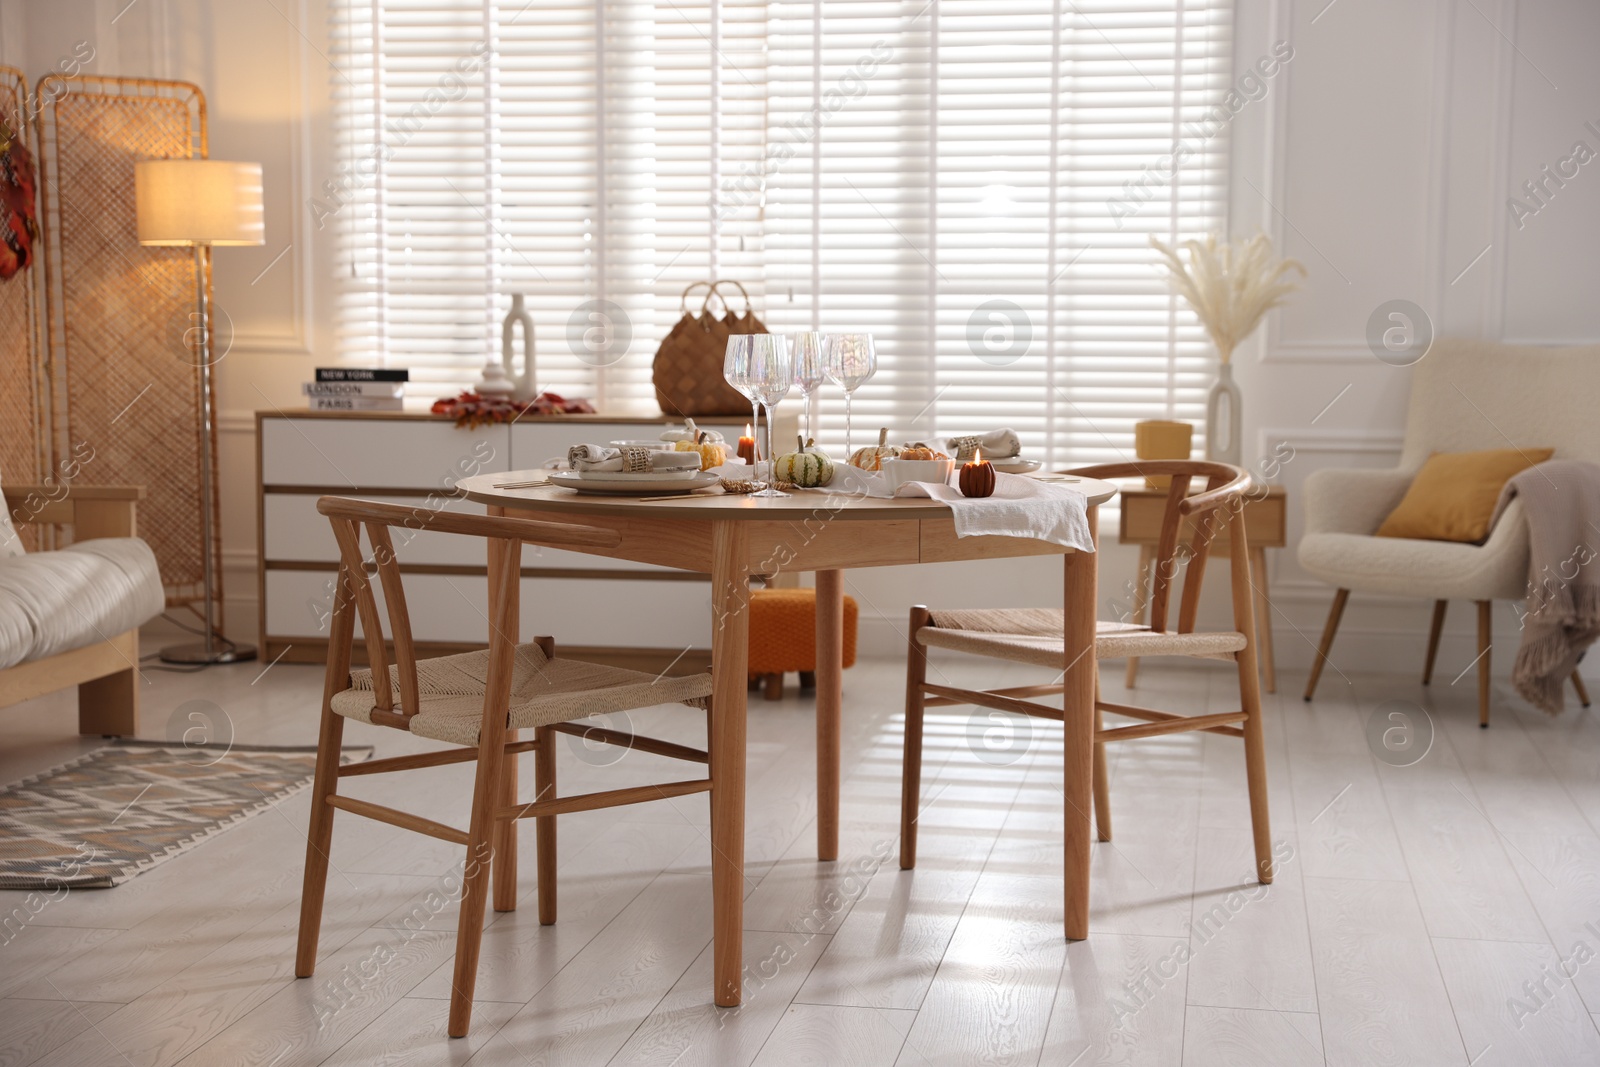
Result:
{"points": [[543, 691], [1033, 635]]}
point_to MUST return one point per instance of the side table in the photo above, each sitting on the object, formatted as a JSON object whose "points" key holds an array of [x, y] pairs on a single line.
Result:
{"points": [[1266, 522]]}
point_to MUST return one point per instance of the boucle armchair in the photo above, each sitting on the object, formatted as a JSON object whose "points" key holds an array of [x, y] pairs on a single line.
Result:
{"points": [[1465, 396]]}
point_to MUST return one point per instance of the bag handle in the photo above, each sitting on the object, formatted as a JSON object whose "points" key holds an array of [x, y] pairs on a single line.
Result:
{"points": [[716, 290], [683, 301]]}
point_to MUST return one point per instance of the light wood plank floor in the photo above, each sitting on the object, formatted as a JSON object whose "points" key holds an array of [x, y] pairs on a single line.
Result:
{"points": [[1446, 912]]}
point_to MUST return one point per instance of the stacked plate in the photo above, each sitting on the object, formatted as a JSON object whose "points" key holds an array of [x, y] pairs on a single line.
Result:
{"points": [[644, 483]]}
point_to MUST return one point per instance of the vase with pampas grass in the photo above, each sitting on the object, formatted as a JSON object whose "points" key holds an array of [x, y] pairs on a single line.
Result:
{"points": [[1231, 287]]}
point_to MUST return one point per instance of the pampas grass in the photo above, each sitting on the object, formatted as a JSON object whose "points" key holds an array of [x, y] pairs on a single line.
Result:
{"points": [[1231, 286]]}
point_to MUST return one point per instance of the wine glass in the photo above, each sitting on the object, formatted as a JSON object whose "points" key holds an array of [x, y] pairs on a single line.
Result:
{"points": [[810, 368], [736, 366], [771, 377], [851, 361]]}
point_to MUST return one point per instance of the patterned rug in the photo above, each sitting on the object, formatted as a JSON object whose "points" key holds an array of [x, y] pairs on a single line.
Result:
{"points": [[120, 810]]}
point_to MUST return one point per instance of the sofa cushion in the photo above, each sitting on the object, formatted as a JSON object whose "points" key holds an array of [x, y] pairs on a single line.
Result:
{"points": [[53, 602], [1453, 495]]}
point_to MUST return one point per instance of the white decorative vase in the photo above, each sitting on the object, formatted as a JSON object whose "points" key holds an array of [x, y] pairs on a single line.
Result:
{"points": [[525, 386], [1223, 418]]}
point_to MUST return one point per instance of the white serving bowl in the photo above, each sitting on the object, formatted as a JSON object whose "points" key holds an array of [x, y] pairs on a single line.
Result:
{"points": [[901, 471]]}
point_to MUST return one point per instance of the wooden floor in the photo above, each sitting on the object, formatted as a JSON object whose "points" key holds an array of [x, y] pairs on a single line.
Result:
{"points": [[1442, 913]]}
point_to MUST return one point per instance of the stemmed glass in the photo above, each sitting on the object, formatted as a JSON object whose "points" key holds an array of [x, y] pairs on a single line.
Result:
{"points": [[810, 368], [762, 368], [771, 377], [851, 361], [736, 367]]}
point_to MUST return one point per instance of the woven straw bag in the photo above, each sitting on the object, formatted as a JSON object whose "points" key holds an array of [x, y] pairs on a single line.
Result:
{"points": [[688, 365]]}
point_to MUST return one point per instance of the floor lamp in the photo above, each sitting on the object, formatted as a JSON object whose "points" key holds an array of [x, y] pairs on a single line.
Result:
{"points": [[201, 203]]}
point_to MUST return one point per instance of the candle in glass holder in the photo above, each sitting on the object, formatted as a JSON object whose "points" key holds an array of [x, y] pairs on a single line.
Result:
{"points": [[747, 445], [977, 477]]}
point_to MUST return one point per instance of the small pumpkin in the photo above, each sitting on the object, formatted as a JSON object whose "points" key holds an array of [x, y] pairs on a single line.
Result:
{"points": [[871, 457], [977, 479], [807, 466], [920, 450], [713, 453]]}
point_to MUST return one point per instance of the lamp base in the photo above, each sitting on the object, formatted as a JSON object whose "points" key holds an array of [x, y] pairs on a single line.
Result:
{"points": [[199, 654]]}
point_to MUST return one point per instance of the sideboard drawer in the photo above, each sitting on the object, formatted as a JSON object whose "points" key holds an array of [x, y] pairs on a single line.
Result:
{"points": [[378, 453], [293, 532], [449, 608]]}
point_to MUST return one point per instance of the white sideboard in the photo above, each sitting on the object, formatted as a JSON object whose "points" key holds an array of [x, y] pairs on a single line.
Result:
{"points": [[596, 608]]}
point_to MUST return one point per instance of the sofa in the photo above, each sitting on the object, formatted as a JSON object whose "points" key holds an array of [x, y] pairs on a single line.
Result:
{"points": [[71, 616]]}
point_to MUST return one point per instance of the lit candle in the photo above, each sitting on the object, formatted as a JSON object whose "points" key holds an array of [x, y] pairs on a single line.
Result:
{"points": [[747, 445], [977, 477]]}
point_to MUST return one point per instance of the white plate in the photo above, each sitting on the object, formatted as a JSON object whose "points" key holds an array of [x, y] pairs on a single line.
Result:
{"points": [[648, 484], [636, 477], [1016, 466]]}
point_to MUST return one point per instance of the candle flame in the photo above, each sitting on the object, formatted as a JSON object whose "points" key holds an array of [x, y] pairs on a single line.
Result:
{"points": [[747, 430], [977, 455]]}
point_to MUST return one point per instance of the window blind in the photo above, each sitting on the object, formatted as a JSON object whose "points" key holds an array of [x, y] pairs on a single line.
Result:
{"points": [[974, 182]]}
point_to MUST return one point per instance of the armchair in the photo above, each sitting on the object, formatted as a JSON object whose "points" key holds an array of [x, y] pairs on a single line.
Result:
{"points": [[1465, 396]]}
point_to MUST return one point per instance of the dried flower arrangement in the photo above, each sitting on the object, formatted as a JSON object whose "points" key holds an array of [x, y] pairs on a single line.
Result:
{"points": [[1231, 286]]}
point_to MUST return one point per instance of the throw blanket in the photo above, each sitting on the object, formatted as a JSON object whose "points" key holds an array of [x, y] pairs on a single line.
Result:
{"points": [[1562, 500]]}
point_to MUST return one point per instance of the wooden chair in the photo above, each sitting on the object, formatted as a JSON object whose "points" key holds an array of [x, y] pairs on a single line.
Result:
{"points": [[1034, 636], [475, 700]]}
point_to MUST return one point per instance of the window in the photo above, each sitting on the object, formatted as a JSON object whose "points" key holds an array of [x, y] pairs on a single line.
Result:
{"points": [[974, 182]]}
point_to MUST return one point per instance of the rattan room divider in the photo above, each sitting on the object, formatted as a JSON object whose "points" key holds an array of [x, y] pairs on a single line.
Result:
{"points": [[24, 449], [119, 316]]}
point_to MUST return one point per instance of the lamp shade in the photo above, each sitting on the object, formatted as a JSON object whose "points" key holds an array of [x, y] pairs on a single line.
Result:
{"points": [[199, 202]]}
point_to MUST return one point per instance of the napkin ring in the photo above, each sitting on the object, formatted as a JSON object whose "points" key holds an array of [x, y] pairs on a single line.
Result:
{"points": [[635, 460], [966, 447]]}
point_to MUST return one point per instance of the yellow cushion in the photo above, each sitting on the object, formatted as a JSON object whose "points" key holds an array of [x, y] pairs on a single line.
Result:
{"points": [[1453, 495]]}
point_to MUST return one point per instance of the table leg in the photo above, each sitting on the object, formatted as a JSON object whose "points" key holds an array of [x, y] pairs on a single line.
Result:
{"points": [[1077, 702], [1269, 667], [1141, 603], [730, 658], [830, 700], [503, 863]]}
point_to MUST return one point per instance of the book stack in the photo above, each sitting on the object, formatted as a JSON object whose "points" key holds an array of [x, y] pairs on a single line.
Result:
{"points": [[357, 389]]}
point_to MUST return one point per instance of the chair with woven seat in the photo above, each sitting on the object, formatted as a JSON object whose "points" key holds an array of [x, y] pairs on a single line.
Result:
{"points": [[477, 701], [1035, 636]]}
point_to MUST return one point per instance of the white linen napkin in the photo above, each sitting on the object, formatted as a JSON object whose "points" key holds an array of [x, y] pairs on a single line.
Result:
{"points": [[1020, 507], [600, 458]]}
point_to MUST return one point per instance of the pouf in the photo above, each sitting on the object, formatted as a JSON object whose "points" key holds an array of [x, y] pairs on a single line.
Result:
{"points": [[783, 636]]}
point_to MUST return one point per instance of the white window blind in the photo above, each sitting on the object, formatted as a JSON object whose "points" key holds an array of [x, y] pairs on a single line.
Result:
{"points": [[974, 182]]}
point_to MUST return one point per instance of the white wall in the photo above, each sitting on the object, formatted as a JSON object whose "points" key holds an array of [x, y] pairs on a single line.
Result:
{"points": [[1382, 156]]}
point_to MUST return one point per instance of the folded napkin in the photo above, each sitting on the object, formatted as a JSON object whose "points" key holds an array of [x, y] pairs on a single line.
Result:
{"points": [[996, 444], [632, 460], [1020, 507]]}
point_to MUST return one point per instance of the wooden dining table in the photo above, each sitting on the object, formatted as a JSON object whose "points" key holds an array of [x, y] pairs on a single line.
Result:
{"points": [[734, 538]]}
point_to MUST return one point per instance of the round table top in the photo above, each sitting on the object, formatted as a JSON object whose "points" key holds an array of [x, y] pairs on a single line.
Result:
{"points": [[485, 489]]}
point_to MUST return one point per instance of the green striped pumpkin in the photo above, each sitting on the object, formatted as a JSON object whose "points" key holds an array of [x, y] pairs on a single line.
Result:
{"points": [[805, 467]]}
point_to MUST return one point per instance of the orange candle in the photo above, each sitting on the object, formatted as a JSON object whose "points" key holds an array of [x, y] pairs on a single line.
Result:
{"points": [[747, 445]]}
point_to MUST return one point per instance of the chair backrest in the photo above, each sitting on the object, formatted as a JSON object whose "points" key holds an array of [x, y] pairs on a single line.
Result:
{"points": [[1225, 493], [1472, 395], [355, 596]]}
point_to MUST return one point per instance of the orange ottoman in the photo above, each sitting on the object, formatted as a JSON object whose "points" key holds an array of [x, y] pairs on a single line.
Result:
{"points": [[783, 636]]}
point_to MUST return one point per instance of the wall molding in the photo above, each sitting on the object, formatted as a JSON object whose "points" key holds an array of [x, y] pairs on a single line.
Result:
{"points": [[1311, 439], [1280, 349]]}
